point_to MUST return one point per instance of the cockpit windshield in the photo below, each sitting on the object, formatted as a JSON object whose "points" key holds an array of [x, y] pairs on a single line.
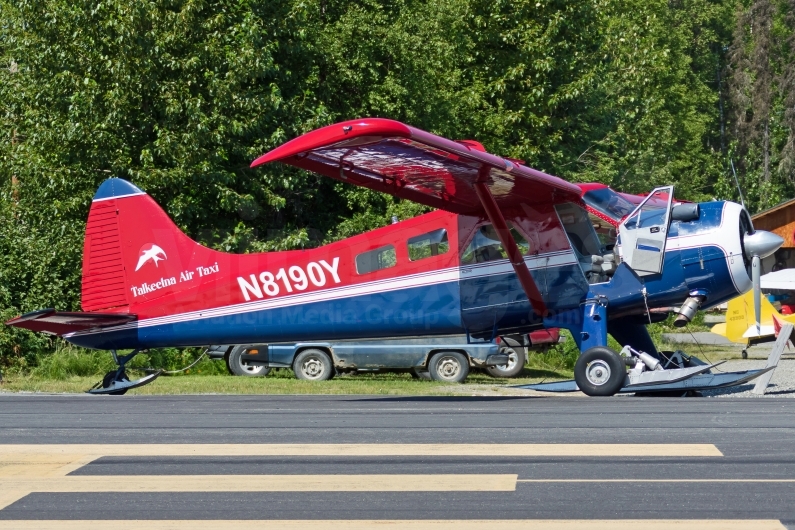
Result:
{"points": [[609, 203]]}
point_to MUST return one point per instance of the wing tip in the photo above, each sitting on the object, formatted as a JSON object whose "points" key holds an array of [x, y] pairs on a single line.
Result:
{"points": [[335, 133]]}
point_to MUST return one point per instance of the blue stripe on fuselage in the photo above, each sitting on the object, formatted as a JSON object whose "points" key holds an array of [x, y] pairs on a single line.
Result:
{"points": [[427, 310]]}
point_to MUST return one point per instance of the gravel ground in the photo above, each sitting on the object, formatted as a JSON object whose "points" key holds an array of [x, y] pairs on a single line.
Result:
{"points": [[782, 385]]}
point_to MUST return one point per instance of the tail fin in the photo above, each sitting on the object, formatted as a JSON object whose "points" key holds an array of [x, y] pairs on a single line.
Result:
{"points": [[133, 252]]}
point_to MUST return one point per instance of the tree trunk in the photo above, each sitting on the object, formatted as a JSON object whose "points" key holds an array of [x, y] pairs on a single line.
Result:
{"points": [[766, 146], [722, 120]]}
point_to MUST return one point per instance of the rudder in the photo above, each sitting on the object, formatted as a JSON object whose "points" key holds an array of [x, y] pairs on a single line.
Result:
{"points": [[103, 282]]}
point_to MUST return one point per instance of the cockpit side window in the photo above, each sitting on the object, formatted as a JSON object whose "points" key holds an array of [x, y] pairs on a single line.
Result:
{"points": [[579, 229], [486, 246], [609, 203]]}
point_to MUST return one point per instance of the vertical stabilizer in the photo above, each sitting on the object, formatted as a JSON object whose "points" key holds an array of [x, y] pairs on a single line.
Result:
{"points": [[134, 253], [104, 284]]}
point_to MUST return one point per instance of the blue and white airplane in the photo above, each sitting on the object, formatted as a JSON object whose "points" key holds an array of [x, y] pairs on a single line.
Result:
{"points": [[509, 250]]}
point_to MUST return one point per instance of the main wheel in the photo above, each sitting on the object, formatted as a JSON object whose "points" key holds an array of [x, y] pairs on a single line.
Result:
{"points": [[599, 371], [237, 366], [110, 377], [449, 366], [515, 364], [313, 365]]}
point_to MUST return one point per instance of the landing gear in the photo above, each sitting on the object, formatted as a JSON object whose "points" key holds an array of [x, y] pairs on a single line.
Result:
{"points": [[744, 354], [111, 378], [116, 382], [598, 368], [600, 371]]}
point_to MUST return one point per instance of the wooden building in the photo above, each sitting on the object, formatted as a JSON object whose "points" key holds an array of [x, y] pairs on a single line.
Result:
{"points": [[780, 220]]}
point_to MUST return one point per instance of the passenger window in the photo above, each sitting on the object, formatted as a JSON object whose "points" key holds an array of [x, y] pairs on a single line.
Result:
{"points": [[427, 245], [374, 260], [486, 246]]}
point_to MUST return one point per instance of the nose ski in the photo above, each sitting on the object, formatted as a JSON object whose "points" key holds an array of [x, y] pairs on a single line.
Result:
{"points": [[646, 375]]}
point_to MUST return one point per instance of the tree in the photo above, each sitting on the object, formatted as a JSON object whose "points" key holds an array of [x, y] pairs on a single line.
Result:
{"points": [[762, 94]]}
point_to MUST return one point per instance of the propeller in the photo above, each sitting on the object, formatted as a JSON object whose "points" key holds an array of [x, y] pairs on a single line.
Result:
{"points": [[759, 244]]}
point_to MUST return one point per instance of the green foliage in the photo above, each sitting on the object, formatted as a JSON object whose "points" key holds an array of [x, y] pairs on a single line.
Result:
{"points": [[69, 361], [761, 89], [560, 357]]}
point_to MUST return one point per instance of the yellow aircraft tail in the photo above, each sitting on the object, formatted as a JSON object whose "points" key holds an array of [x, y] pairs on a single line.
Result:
{"points": [[740, 317]]}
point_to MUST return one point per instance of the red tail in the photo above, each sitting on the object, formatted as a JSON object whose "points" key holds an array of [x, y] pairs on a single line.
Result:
{"points": [[133, 252]]}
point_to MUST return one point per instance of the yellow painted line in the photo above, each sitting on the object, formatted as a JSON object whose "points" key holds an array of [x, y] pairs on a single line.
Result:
{"points": [[482, 524], [490, 450], [256, 483], [10, 495], [40, 465], [699, 480]]}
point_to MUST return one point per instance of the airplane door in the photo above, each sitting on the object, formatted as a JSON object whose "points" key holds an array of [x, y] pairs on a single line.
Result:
{"points": [[643, 233]]}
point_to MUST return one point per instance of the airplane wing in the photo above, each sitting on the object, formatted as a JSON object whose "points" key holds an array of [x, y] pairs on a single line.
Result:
{"points": [[400, 160], [460, 177], [61, 323], [783, 280]]}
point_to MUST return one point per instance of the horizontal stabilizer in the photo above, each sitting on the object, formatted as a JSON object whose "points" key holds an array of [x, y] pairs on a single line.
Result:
{"points": [[60, 323], [764, 331]]}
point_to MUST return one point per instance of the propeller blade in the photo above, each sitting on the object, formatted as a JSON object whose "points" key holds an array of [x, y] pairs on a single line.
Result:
{"points": [[756, 266]]}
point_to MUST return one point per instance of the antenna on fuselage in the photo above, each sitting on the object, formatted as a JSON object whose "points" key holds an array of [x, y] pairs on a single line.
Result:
{"points": [[737, 182]]}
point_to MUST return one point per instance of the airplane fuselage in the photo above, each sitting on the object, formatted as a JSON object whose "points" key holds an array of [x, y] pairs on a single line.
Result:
{"points": [[436, 274]]}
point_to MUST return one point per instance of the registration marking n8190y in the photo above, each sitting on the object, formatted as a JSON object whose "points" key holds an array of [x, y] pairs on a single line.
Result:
{"points": [[289, 279]]}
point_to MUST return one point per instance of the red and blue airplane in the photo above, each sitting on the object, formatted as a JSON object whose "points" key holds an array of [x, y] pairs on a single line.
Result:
{"points": [[509, 250]]}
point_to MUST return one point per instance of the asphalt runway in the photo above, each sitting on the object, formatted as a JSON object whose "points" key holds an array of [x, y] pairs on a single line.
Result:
{"points": [[413, 462]]}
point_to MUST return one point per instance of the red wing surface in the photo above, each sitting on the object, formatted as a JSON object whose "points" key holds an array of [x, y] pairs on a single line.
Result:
{"points": [[61, 323], [394, 158]]}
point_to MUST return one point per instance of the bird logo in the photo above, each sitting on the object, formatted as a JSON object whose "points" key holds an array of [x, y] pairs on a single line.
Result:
{"points": [[150, 252]]}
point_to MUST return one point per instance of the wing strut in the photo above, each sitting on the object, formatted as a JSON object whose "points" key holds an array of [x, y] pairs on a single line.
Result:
{"points": [[514, 254]]}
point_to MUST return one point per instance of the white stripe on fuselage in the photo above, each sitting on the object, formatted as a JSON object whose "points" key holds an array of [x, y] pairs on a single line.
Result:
{"points": [[477, 270]]}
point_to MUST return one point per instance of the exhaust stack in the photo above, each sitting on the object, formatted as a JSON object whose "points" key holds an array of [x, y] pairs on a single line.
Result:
{"points": [[688, 310]]}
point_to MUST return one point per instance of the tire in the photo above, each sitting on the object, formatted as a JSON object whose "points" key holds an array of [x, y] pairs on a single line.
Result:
{"points": [[420, 374], [237, 366], [514, 366], [313, 365], [108, 379], [599, 371], [449, 366]]}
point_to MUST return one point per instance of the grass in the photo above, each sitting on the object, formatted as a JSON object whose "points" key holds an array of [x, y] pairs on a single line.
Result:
{"points": [[74, 370], [283, 382]]}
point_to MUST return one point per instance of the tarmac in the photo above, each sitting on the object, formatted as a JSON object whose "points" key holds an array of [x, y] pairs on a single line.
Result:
{"points": [[398, 462]]}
